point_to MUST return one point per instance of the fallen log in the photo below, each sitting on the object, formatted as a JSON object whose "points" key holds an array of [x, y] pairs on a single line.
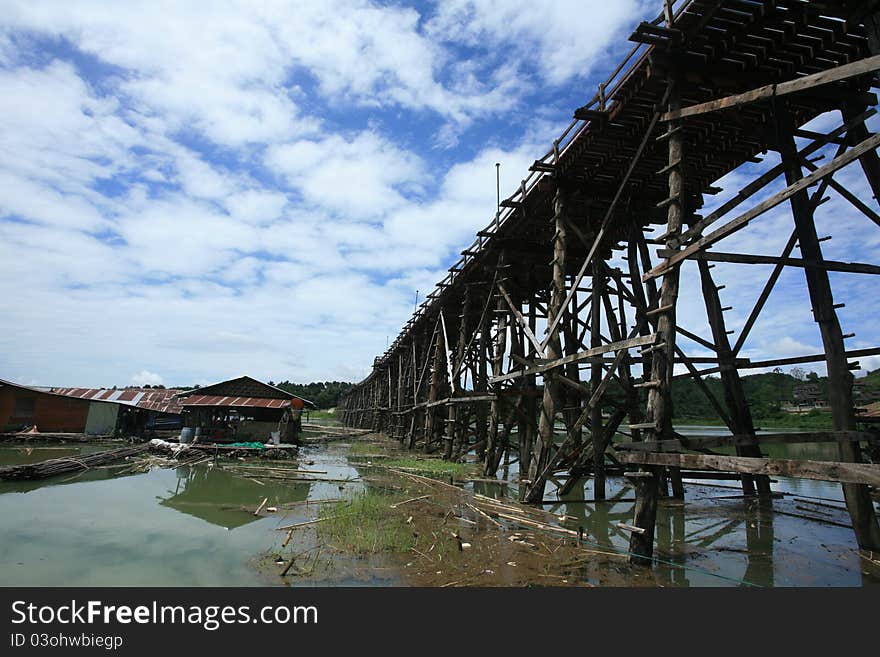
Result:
{"points": [[55, 437], [52, 467], [854, 473], [329, 428]]}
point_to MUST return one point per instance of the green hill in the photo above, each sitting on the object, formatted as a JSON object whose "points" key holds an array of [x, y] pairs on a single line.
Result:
{"points": [[766, 394]]}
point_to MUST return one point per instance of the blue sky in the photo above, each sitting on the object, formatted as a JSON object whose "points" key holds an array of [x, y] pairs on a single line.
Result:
{"points": [[193, 191]]}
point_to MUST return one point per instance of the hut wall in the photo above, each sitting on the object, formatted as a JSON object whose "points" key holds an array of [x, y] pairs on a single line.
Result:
{"points": [[102, 418], [50, 413]]}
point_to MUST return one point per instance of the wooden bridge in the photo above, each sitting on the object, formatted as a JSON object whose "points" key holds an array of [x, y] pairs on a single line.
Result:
{"points": [[554, 338]]}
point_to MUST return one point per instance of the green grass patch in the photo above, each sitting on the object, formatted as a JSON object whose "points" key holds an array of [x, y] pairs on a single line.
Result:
{"points": [[359, 448], [820, 420], [326, 414], [430, 467], [366, 526]]}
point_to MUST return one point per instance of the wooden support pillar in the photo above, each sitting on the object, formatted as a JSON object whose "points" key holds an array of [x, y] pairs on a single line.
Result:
{"points": [[546, 424], [641, 540], [433, 389], [374, 405], [447, 434], [570, 400], [659, 409], [450, 429], [737, 406], [493, 448], [518, 351], [641, 321], [632, 407], [530, 401], [457, 430], [840, 379], [481, 385], [420, 355], [596, 433]]}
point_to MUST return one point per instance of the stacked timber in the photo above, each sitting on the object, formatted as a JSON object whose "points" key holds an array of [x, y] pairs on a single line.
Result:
{"points": [[53, 467]]}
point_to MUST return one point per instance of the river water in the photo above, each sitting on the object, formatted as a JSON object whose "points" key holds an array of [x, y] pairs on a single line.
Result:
{"points": [[189, 526], [181, 526]]}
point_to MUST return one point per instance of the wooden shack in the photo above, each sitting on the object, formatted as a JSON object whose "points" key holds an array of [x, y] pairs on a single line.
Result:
{"points": [[23, 407], [242, 410]]}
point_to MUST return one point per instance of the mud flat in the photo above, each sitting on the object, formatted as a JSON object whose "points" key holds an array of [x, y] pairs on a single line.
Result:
{"points": [[357, 510]]}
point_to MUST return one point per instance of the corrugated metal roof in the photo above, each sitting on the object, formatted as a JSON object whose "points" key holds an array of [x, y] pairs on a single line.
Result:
{"points": [[870, 412], [235, 402], [151, 399], [164, 400], [45, 390], [245, 386]]}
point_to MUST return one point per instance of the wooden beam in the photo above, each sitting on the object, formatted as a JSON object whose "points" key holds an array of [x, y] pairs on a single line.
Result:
{"points": [[603, 228], [574, 358], [827, 265], [682, 443], [867, 65], [765, 294], [854, 200], [695, 230], [539, 477], [854, 473], [459, 400], [641, 543], [742, 220], [447, 352], [840, 379], [776, 362], [519, 319]]}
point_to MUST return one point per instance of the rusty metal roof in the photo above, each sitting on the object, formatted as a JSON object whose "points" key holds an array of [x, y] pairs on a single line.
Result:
{"points": [[869, 413], [151, 399], [235, 402], [164, 400], [46, 390], [245, 387]]}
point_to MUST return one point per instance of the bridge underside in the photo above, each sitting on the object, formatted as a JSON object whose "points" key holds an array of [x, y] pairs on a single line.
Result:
{"points": [[555, 341]]}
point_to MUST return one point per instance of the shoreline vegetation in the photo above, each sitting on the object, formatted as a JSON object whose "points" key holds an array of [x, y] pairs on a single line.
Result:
{"points": [[767, 393], [812, 420]]}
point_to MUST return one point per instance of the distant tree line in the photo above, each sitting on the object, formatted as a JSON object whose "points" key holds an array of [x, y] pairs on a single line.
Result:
{"points": [[766, 394], [325, 394]]}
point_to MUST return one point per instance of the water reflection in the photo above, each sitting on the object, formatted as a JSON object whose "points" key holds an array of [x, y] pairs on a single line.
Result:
{"points": [[759, 540], [192, 526], [219, 497], [186, 526], [718, 538]]}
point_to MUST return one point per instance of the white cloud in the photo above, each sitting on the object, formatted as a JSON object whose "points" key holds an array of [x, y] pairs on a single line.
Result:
{"points": [[58, 131], [181, 237], [263, 189], [563, 39], [256, 206], [363, 177], [229, 73], [145, 377]]}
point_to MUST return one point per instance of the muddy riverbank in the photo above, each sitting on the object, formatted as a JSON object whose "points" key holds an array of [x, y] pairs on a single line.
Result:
{"points": [[364, 512]]}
